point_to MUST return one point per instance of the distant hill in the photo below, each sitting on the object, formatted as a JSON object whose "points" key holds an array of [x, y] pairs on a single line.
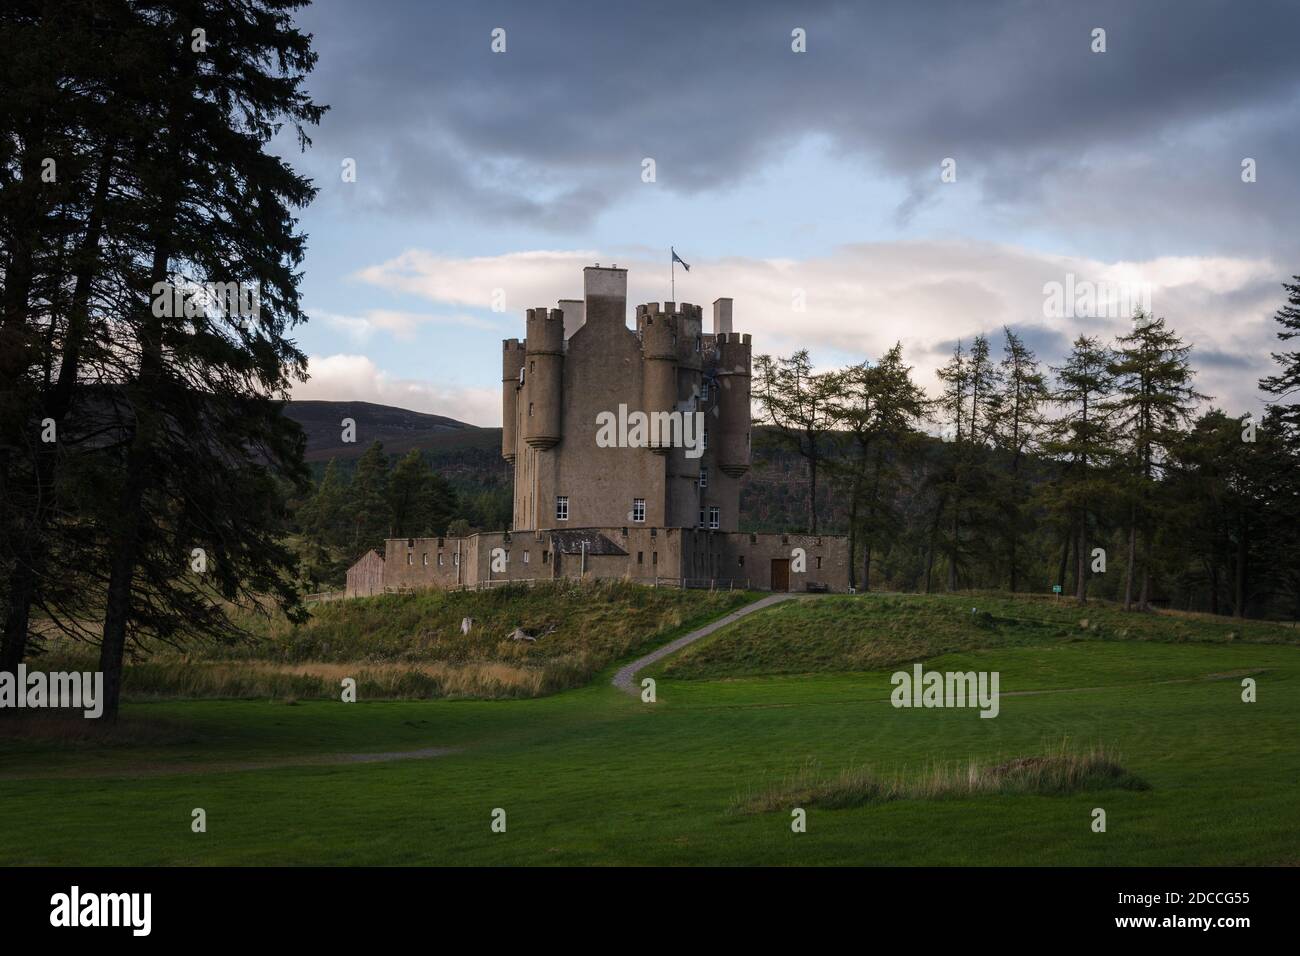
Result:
{"points": [[772, 497], [399, 429]]}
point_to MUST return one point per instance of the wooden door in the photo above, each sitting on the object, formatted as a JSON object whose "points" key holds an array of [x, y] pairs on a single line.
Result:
{"points": [[780, 574]]}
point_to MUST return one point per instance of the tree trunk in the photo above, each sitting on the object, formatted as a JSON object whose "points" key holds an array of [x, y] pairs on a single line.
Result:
{"points": [[812, 493], [853, 530], [139, 462], [22, 586], [1065, 557], [952, 553], [1239, 588], [118, 605], [934, 539], [1081, 578], [1132, 561], [1015, 581], [1144, 603], [1212, 570]]}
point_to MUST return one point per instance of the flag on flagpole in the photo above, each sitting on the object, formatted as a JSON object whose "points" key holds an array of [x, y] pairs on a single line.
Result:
{"points": [[677, 258]]}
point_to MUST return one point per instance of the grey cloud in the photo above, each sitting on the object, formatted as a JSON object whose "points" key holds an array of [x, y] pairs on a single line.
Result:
{"points": [[553, 131]]}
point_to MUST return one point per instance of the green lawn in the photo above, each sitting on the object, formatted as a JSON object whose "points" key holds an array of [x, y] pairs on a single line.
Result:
{"points": [[593, 776]]}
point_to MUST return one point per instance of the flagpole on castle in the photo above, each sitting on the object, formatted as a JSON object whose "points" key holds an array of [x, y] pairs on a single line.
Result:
{"points": [[672, 270]]}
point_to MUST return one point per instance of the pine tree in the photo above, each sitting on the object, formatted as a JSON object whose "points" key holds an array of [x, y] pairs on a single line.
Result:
{"points": [[203, 451], [1154, 399], [369, 511], [948, 480], [322, 516], [58, 151], [1016, 426], [796, 402], [420, 500], [876, 408], [1286, 384], [1081, 440], [970, 410]]}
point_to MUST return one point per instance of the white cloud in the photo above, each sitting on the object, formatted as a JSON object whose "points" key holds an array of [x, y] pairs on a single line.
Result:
{"points": [[862, 298], [401, 325], [528, 279], [355, 378]]}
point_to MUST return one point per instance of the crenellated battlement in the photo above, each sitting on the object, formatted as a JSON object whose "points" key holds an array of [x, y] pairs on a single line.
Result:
{"points": [[670, 308], [545, 331], [734, 352], [512, 359]]}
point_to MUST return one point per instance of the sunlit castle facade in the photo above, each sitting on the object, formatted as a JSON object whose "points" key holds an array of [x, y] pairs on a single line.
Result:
{"points": [[629, 446]]}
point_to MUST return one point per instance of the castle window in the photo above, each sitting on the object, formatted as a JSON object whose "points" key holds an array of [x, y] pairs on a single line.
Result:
{"points": [[640, 557], [701, 522], [819, 562], [546, 557], [638, 509], [704, 477], [410, 557], [440, 557], [697, 343], [561, 507], [741, 560], [704, 445], [530, 409], [455, 559], [532, 367], [424, 559], [704, 391], [715, 518], [525, 556], [654, 557]]}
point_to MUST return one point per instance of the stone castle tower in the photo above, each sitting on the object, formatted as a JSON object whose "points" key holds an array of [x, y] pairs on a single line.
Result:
{"points": [[633, 510], [580, 360]]}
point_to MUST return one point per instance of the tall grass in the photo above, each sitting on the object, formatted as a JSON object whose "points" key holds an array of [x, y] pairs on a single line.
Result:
{"points": [[1053, 773], [411, 646]]}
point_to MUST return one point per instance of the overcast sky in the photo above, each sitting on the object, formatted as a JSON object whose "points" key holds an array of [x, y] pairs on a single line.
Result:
{"points": [[789, 177]]}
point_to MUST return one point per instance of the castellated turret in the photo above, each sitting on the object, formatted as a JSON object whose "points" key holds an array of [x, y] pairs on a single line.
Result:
{"points": [[512, 362], [659, 352], [733, 380], [544, 377]]}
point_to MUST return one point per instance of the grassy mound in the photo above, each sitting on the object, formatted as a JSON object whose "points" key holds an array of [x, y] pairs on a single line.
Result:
{"points": [[411, 645], [1050, 774], [874, 632]]}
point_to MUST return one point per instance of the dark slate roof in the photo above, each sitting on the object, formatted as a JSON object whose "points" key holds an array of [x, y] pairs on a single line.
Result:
{"points": [[570, 542]]}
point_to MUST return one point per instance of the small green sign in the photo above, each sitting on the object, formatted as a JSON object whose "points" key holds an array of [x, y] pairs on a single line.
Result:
{"points": [[1056, 589]]}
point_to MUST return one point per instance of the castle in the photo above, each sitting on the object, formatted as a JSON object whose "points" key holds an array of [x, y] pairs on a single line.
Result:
{"points": [[628, 448]]}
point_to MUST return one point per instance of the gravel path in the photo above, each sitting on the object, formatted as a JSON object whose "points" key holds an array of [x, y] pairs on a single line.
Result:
{"points": [[623, 680]]}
